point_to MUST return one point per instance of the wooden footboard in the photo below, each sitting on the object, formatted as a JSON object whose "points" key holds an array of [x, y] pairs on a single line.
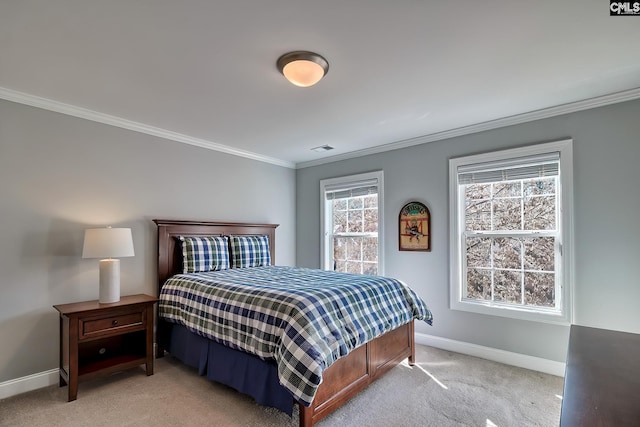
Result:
{"points": [[351, 374]]}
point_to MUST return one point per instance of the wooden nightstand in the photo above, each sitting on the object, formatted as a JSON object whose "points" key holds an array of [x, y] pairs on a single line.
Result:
{"points": [[98, 339]]}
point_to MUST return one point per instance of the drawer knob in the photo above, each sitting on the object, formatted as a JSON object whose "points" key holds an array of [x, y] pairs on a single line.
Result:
{"points": [[114, 323]]}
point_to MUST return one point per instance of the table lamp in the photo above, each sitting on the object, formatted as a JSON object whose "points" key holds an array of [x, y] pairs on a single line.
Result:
{"points": [[108, 243]]}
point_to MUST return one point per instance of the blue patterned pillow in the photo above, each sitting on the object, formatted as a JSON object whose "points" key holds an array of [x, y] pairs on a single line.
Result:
{"points": [[204, 253], [250, 251]]}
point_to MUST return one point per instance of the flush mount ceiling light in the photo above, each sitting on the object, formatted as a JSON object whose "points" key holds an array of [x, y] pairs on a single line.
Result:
{"points": [[303, 68]]}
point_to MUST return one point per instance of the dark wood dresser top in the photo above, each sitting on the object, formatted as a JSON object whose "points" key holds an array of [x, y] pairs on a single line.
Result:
{"points": [[602, 379]]}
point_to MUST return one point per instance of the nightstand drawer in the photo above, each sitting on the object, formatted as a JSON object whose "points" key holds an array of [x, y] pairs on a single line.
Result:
{"points": [[115, 323]]}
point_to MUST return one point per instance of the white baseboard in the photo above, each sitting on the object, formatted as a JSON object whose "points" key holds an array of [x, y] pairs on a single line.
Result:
{"points": [[28, 383], [515, 359], [50, 377]]}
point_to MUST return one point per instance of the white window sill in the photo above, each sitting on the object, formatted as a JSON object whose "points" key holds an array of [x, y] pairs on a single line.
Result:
{"points": [[513, 312]]}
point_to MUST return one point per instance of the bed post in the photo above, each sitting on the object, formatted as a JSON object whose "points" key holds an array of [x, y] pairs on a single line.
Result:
{"points": [[306, 415], [412, 344]]}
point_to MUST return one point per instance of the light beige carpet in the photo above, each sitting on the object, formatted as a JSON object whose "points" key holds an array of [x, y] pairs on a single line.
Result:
{"points": [[443, 389]]}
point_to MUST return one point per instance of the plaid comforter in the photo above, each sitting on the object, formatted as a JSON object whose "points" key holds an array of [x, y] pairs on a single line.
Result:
{"points": [[304, 319]]}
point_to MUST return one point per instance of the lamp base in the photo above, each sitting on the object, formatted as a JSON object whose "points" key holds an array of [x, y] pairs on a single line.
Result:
{"points": [[109, 281]]}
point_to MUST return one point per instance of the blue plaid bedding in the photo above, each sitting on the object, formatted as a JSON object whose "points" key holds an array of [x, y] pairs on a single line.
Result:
{"points": [[304, 319]]}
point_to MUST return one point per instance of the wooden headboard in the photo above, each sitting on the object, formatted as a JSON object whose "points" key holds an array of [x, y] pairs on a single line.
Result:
{"points": [[170, 253]]}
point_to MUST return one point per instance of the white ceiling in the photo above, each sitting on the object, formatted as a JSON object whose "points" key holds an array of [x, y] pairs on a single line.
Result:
{"points": [[205, 70]]}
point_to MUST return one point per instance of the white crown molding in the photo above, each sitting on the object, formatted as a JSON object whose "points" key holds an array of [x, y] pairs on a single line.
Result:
{"points": [[572, 107], [95, 116], [71, 110], [508, 358]]}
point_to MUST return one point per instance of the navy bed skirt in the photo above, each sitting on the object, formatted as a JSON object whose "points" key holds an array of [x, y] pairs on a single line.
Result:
{"points": [[239, 370]]}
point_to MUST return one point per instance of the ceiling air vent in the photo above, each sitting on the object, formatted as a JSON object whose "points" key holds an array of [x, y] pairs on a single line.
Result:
{"points": [[322, 148]]}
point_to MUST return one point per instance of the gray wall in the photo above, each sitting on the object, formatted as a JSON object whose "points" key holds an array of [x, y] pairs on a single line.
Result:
{"points": [[60, 175], [607, 226]]}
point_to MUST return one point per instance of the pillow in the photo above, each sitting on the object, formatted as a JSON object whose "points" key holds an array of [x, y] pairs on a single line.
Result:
{"points": [[250, 251], [204, 253]]}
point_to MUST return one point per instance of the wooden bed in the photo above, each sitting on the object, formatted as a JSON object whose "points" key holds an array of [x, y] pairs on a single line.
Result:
{"points": [[345, 377]]}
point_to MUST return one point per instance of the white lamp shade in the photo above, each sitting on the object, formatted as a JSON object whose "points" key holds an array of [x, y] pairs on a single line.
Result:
{"points": [[107, 243]]}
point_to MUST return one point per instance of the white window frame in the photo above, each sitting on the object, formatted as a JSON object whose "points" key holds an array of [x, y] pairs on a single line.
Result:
{"points": [[564, 266], [346, 182]]}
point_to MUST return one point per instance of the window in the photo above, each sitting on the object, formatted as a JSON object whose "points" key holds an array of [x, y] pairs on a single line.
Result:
{"points": [[352, 223], [511, 232]]}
